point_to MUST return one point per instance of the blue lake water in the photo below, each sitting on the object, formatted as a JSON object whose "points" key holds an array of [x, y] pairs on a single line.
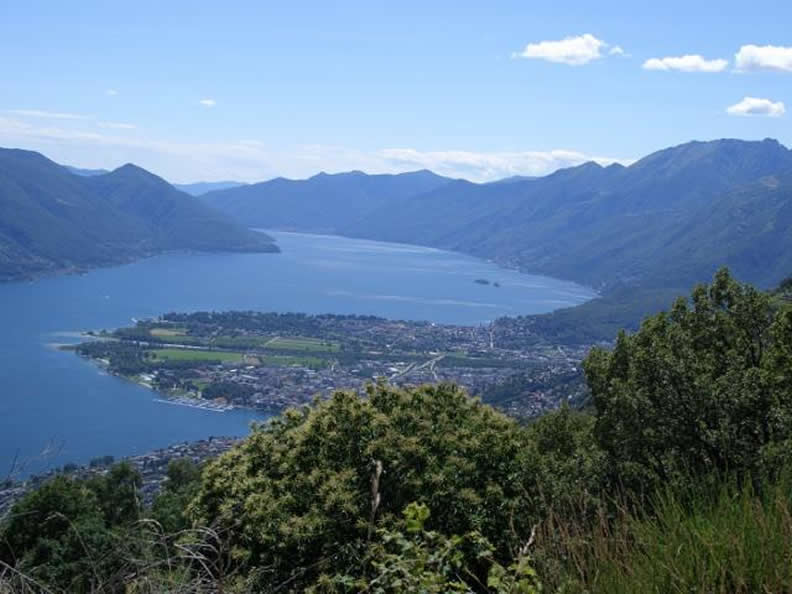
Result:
{"points": [[57, 404]]}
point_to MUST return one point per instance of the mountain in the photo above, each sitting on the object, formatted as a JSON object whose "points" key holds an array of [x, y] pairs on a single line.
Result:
{"points": [[323, 203], [201, 188], [669, 219], [640, 234], [51, 219]]}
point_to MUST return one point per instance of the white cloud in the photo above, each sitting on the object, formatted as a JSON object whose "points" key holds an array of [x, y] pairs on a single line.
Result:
{"points": [[253, 160], [111, 92], [491, 166], [36, 113], [765, 57], [574, 51], [687, 63], [116, 125], [208, 102], [617, 50], [753, 106]]}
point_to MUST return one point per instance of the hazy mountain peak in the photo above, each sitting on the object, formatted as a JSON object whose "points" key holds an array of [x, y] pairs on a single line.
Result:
{"points": [[130, 171]]}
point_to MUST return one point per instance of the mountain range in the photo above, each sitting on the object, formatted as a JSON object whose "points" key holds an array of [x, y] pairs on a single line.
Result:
{"points": [[193, 189], [52, 219], [323, 203], [640, 234], [668, 220]]}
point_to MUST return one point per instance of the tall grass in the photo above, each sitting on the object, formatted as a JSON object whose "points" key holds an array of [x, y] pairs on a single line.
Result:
{"points": [[737, 540]]}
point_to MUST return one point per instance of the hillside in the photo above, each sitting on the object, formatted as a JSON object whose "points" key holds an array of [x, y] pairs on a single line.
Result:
{"points": [[650, 224], [670, 219], [324, 203], [639, 234], [51, 219]]}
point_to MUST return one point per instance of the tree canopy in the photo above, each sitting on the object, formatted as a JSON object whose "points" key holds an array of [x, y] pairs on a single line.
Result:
{"points": [[705, 387]]}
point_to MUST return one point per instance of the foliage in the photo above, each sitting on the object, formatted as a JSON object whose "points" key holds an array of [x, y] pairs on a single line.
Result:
{"points": [[296, 496], [410, 558], [170, 506], [705, 388], [58, 535]]}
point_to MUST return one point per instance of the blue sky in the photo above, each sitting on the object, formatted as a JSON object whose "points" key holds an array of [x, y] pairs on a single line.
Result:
{"points": [[464, 88]]}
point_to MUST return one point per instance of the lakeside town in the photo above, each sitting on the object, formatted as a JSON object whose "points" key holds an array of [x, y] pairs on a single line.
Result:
{"points": [[152, 466], [269, 361]]}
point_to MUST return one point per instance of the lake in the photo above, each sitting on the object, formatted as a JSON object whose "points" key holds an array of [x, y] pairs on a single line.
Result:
{"points": [[56, 407]]}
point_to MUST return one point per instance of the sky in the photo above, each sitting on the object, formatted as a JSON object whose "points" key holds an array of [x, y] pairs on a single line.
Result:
{"points": [[250, 90]]}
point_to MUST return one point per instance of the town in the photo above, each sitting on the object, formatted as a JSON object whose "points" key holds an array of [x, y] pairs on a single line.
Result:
{"points": [[269, 361]]}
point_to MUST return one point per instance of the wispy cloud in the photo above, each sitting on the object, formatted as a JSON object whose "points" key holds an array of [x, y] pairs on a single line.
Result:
{"points": [[52, 115], [477, 166], [208, 102], [753, 106], [116, 125], [254, 160], [617, 50], [111, 92], [574, 51], [686, 63], [764, 57]]}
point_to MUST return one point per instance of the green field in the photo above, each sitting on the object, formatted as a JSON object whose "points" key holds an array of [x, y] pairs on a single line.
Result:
{"points": [[293, 343], [286, 360], [196, 355], [168, 331]]}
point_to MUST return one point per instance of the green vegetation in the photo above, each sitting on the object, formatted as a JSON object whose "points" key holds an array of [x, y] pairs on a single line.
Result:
{"points": [[169, 332], [677, 481], [196, 355], [732, 539], [302, 344]]}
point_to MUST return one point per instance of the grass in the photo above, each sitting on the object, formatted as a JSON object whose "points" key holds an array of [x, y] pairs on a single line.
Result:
{"points": [[316, 345], [285, 360], [269, 360], [196, 355], [168, 331], [303, 344], [738, 541]]}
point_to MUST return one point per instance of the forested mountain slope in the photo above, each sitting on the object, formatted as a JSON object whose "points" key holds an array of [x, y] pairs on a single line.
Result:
{"points": [[52, 219], [671, 218]]}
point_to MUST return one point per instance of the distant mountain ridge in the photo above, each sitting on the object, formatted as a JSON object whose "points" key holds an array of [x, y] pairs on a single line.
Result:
{"points": [[193, 189], [52, 219], [324, 203], [651, 224]]}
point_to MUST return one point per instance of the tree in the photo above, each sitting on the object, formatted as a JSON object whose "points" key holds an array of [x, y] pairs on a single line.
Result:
{"points": [[703, 388], [118, 494], [56, 535], [304, 494], [169, 508], [410, 558]]}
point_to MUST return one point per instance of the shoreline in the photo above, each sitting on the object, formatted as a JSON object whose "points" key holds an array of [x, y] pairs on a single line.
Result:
{"points": [[152, 466]]}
